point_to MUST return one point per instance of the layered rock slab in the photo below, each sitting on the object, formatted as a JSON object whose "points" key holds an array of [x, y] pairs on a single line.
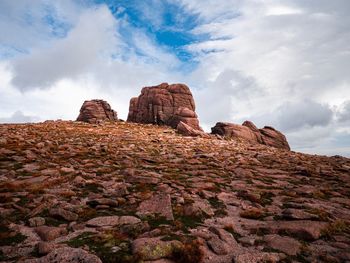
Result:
{"points": [[94, 111], [164, 105], [249, 132]]}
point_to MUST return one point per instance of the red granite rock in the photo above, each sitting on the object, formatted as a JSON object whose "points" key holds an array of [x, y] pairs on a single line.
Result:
{"points": [[249, 132], [94, 111], [187, 130], [274, 138], [164, 104]]}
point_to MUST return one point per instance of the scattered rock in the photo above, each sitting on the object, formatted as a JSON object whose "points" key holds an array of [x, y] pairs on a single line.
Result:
{"points": [[66, 215], [187, 130], [154, 248], [45, 247], [286, 245], [48, 233], [36, 221], [103, 221], [252, 257], [158, 204], [67, 254]]}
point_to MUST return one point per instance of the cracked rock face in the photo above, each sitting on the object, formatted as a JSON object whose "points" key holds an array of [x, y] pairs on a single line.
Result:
{"points": [[164, 104], [249, 132], [94, 111]]}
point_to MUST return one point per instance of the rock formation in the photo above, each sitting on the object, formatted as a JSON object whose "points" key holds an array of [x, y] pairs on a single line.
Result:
{"points": [[249, 132], [94, 111], [164, 104]]}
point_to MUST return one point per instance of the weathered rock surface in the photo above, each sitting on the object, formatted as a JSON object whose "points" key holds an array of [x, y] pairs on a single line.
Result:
{"points": [[250, 133], [94, 111], [164, 104], [122, 192]]}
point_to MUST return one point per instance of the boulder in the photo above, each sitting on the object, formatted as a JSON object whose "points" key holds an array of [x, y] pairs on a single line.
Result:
{"points": [[187, 130], [249, 132], [274, 138], [164, 105], [231, 130], [94, 111]]}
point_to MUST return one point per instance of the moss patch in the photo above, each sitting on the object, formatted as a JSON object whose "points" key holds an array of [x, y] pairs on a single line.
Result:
{"points": [[109, 246]]}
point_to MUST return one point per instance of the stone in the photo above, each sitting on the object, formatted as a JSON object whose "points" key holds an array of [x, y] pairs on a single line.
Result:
{"points": [[128, 220], [303, 229], [67, 254], [250, 133], [103, 221], [186, 130], [231, 130], [94, 111], [254, 257], [217, 245], [48, 233], [164, 105], [297, 214], [287, 245], [154, 248], [158, 204], [274, 138], [62, 213], [45, 248], [36, 221]]}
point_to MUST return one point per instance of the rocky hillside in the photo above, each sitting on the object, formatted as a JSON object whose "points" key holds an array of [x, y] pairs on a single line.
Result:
{"points": [[121, 192]]}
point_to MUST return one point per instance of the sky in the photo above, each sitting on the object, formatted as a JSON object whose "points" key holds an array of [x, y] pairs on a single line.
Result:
{"points": [[284, 64]]}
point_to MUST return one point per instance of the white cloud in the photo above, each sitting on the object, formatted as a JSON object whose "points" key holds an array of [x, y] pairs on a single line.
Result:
{"points": [[69, 57]]}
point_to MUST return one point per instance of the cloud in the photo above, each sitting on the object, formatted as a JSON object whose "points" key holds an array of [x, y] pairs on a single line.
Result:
{"points": [[19, 117], [304, 113], [344, 112], [68, 57]]}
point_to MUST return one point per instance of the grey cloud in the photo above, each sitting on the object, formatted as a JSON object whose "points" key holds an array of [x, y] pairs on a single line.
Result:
{"points": [[344, 113], [293, 116], [19, 117]]}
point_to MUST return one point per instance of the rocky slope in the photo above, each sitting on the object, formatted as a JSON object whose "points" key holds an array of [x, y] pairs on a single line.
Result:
{"points": [[121, 192]]}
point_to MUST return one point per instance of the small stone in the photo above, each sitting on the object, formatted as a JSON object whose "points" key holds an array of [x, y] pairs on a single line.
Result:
{"points": [[67, 254], [286, 245], [45, 247], [66, 215], [128, 220], [103, 221], [48, 233], [158, 204], [67, 170], [217, 245], [154, 248], [36, 221], [253, 257]]}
